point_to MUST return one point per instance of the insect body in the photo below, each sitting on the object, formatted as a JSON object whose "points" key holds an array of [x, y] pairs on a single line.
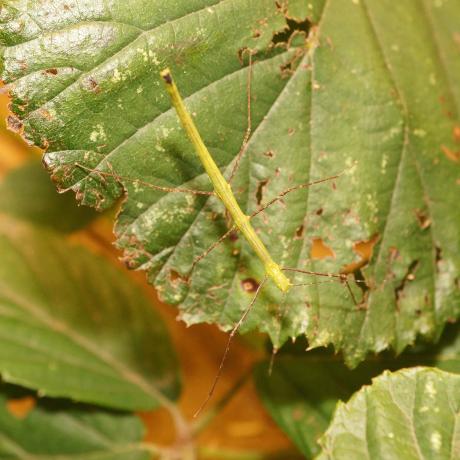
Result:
{"points": [[223, 189]]}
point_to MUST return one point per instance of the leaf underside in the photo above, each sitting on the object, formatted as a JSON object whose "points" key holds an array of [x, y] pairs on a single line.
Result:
{"points": [[376, 95]]}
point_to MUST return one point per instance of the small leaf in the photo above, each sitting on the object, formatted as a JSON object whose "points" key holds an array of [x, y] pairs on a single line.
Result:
{"points": [[27, 193], [62, 430], [71, 325], [302, 391], [411, 414]]}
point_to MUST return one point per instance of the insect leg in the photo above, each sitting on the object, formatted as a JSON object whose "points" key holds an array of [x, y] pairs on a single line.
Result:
{"points": [[227, 348], [118, 178]]}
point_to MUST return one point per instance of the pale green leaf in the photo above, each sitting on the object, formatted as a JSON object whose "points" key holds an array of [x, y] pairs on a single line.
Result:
{"points": [[411, 414], [302, 392], [376, 94], [71, 325]]}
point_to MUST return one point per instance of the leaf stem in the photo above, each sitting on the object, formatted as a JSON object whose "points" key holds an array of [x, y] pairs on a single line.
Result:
{"points": [[222, 187]]}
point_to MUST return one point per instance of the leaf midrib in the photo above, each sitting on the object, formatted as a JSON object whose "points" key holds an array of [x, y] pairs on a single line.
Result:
{"points": [[62, 329]]}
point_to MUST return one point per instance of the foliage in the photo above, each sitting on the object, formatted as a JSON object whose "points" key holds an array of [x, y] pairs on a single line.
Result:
{"points": [[364, 87]]}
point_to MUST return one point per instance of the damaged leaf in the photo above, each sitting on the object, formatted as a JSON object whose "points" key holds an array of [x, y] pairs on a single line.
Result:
{"points": [[336, 86]]}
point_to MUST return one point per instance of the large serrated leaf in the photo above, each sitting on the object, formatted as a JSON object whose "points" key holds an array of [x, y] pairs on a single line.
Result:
{"points": [[411, 414], [62, 430], [73, 326], [376, 94], [302, 392]]}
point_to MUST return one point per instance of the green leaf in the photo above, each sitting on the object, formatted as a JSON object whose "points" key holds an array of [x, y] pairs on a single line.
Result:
{"points": [[67, 431], [27, 193], [410, 414], [376, 95], [302, 392], [71, 325]]}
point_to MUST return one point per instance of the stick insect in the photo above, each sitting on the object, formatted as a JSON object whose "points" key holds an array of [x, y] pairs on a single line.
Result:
{"points": [[241, 221]]}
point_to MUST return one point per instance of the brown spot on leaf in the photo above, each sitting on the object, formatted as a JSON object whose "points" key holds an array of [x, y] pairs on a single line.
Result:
{"points": [[249, 285], [438, 256], [52, 71], [175, 277], [299, 232], [92, 85], [14, 124], [45, 114], [423, 219]]}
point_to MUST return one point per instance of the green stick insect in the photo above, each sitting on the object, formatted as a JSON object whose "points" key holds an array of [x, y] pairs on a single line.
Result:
{"points": [[241, 221]]}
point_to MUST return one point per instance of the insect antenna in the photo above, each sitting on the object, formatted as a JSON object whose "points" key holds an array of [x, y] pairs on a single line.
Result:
{"points": [[227, 348], [244, 145]]}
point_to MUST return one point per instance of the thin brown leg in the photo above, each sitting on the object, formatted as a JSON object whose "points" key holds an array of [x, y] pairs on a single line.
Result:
{"points": [[341, 277], [227, 348], [281, 195], [119, 178], [213, 246]]}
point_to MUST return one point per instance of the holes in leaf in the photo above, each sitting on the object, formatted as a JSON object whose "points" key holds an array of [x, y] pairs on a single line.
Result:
{"points": [[294, 27], [21, 407], [299, 232], [320, 250], [260, 190], [364, 249], [176, 278], [438, 256], [409, 276]]}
